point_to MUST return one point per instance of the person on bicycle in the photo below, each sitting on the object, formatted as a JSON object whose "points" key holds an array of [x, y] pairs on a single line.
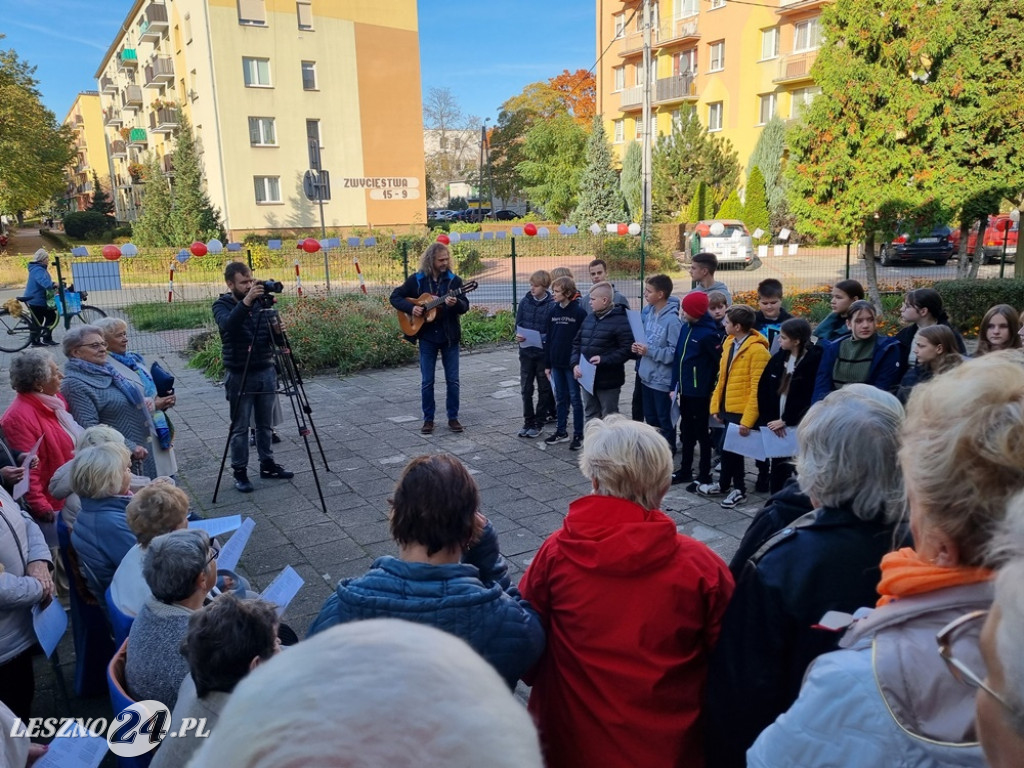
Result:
{"points": [[39, 282]]}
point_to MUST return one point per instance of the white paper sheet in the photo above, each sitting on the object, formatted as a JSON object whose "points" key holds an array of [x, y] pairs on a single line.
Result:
{"points": [[758, 233], [217, 526], [283, 588], [784, 234], [762, 251], [636, 324], [750, 446], [794, 248], [531, 336], [231, 552], [80, 750], [589, 370], [21, 487], [777, 250], [776, 447], [50, 623]]}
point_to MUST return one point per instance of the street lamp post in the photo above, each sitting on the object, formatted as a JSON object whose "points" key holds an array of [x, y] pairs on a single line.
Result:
{"points": [[1008, 224]]}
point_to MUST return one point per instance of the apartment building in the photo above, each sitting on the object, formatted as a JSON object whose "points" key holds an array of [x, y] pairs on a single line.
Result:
{"points": [[271, 87], [735, 65], [90, 151]]}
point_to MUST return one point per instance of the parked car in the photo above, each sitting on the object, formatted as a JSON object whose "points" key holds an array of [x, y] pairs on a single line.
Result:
{"points": [[728, 239], [934, 246], [992, 243], [504, 215], [474, 215], [444, 215]]}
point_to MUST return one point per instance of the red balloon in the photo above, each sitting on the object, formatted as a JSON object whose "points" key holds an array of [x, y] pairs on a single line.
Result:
{"points": [[623, 229], [198, 248], [530, 228], [443, 239], [111, 252], [310, 245]]}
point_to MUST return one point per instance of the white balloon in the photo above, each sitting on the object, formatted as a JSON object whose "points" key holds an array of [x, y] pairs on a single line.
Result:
{"points": [[717, 228], [634, 228], [215, 246], [595, 229], [542, 232], [454, 237]]}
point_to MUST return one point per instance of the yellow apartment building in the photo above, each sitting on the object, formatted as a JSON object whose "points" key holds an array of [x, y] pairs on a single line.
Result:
{"points": [[267, 86], [736, 65], [86, 121]]}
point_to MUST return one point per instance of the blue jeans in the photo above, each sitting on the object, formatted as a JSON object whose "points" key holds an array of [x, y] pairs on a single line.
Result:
{"points": [[450, 363], [567, 390], [658, 413], [255, 404]]}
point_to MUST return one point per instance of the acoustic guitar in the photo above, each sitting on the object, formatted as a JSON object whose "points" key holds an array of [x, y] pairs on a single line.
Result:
{"points": [[411, 324]]}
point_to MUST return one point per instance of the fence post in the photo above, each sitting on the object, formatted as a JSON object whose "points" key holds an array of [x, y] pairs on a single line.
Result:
{"points": [[847, 261], [643, 266], [248, 256], [513, 275], [405, 260], [327, 269]]}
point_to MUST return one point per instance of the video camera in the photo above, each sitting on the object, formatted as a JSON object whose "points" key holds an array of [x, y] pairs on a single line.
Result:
{"points": [[270, 287]]}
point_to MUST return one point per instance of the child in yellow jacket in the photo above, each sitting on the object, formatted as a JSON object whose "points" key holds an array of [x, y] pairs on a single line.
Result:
{"points": [[744, 356]]}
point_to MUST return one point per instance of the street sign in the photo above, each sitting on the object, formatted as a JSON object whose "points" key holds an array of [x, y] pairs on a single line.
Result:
{"points": [[380, 182], [316, 185]]}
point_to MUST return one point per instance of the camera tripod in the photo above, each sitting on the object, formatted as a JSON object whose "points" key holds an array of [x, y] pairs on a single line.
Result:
{"points": [[289, 382]]}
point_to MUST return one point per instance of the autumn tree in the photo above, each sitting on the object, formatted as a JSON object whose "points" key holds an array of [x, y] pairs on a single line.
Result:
{"points": [[684, 158], [631, 182], [578, 92], [193, 216], [554, 157], [599, 197]]}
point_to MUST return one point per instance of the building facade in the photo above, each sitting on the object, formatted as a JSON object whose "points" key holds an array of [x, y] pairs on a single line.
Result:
{"points": [[734, 65], [271, 87], [85, 119]]}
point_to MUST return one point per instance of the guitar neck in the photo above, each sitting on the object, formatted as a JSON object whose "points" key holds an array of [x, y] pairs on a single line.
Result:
{"points": [[440, 299]]}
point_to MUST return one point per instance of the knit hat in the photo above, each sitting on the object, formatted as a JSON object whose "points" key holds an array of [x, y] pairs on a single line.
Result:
{"points": [[695, 303], [40, 256]]}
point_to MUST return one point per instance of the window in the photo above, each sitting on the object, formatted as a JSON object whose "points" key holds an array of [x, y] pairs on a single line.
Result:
{"points": [[187, 27], [257, 72], [313, 144], [639, 129], [766, 108], [682, 115], [807, 35], [252, 12], [769, 43], [684, 62], [638, 74], [717, 4], [304, 10], [620, 131], [802, 98], [268, 189], [715, 116], [309, 75], [261, 132], [619, 20], [717, 51], [686, 8], [619, 76]]}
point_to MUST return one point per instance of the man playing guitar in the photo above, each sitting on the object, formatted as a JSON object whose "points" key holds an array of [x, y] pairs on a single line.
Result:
{"points": [[442, 335]]}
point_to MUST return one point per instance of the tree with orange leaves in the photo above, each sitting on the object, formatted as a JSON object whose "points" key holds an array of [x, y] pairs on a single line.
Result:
{"points": [[578, 91]]}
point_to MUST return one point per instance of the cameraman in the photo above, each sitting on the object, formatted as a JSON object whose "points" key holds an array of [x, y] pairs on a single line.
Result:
{"points": [[237, 313]]}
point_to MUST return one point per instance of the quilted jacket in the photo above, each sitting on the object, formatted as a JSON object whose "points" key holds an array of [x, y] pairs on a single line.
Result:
{"points": [[24, 421], [102, 538], [736, 390], [39, 282], [472, 600], [610, 337]]}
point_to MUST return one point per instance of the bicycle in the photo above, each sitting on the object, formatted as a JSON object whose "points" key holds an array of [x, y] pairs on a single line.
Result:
{"points": [[18, 324]]}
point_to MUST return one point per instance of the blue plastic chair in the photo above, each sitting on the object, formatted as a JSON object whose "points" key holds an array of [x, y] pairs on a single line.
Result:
{"points": [[120, 622], [120, 701]]}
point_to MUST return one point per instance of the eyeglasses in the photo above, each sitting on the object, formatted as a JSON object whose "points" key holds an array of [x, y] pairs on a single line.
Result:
{"points": [[214, 553], [946, 637], [95, 345]]}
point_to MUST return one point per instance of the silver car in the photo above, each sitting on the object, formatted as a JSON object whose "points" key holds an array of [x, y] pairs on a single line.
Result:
{"points": [[728, 239]]}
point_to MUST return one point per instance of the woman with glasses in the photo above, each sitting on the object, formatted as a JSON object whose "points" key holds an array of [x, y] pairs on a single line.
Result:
{"points": [[922, 308], [887, 697], [98, 394]]}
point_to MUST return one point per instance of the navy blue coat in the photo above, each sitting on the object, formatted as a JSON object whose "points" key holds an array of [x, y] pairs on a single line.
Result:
{"points": [[884, 372], [533, 314], [698, 353]]}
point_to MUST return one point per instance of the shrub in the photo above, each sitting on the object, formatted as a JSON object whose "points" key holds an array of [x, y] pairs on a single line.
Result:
{"points": [[623, 256], [467, 260], [85, 224], [967, 301], [164, 316]]}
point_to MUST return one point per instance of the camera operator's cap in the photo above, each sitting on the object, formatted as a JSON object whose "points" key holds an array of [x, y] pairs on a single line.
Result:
{"points": [[40, 256]]}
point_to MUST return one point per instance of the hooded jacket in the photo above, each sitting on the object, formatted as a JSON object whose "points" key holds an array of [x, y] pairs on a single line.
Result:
{"points": [[533, 313], [39, 282], [632, 610], [662, 330], [888, 697], [736, 390], [698, 353], [609, 336]]}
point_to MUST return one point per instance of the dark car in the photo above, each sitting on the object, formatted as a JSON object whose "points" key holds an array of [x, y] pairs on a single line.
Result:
{"points": [[505, 215], [474, 215], [934, 246]]}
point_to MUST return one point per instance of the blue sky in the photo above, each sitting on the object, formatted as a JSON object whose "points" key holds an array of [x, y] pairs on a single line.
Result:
{"points": [[484, 52]]}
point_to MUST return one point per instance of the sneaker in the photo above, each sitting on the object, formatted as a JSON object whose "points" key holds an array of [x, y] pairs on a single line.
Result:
{"points": [[427, 428], [717, 468], [692, 487], [275, 438], [242, 483], [272, 471], [524, 430], [533, 431], [679, 476], [577, 443], [736, 496], [709, 489], [558, 437], [550, 419], [455, 426]]}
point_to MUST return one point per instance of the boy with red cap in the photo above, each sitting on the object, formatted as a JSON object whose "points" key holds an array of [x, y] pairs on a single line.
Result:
{"points": [[698, 352]]}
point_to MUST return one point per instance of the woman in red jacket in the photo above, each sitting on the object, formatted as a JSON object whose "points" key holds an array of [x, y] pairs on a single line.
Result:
{"points": [[39, 410], [632, 610]]}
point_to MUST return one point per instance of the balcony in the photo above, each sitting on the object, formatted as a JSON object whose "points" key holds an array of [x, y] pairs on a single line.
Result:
{"points": [[163, 121], [632, 44], [112, 117], [118, 149], [677, 88], [138, 137], [159, 72], [678, 32], [631, 98], [167, 162], [131, 98], [128, 58], [154, 22], [107, 85], [795, 7], [796, 67]]}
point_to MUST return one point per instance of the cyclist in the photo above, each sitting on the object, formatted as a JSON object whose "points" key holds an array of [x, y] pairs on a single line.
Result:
{"points": [[39, 282]]}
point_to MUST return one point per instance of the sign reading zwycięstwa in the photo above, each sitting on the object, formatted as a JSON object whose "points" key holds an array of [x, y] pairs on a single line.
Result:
{"points": [[385, 187]]}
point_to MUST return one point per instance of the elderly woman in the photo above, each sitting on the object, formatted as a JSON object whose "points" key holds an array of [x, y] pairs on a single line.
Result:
{"points": [[887, 698], [632, 610], [24, 582], [100, 476], [825, 561], [38, 298], [180, 568], [98, 394], [448, 573], [39, 410], [132, 366], [155, 510]]}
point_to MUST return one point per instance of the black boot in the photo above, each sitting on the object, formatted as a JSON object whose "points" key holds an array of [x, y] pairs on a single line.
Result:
{"points": [[242, 483]]}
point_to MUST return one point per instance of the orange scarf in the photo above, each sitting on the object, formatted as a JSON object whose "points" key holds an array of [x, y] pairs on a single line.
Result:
{"points": [[905, 574]]}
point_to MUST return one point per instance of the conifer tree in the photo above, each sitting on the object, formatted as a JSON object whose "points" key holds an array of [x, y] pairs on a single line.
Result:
{"points": [[193, 217], [768, 156], [732, 208], [686, 157], [599, 197], [631, 182], [755, 207], [101, 202], [151, 229], [700, 207]]}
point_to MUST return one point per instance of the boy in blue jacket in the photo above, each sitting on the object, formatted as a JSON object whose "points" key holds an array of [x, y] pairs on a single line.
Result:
{"points": [[698, 352], [533, 312], [657, 355], [563, 325]]}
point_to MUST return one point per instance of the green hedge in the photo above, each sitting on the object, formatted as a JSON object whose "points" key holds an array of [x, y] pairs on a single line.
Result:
{"points": [[967, 301]]}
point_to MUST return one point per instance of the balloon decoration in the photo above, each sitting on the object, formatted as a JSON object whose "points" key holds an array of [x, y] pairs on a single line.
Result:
{"points": [[214, 246], [183, 256], [310, 245], [622, 229], [198, 248], [80, 250], [129, 249], [634, 228], [530, 229], [443, 239], [543, 232], [716, 229], [454, 237], [595, 228], [111, 252]]}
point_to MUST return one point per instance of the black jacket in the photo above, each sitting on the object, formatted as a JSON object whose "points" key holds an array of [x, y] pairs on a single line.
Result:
{"points": [[801, 387], [781, 509], [533, 314], [564, 325], [905, 337], [446, 328], [610, 337], [770, 328], [238, 325]]}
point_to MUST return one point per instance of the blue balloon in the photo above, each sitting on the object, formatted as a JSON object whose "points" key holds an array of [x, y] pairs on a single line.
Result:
{"points": [[214, 246]]}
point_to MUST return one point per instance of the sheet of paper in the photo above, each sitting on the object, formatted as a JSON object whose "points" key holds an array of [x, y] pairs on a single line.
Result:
{"points": [[231, 552], [50, 624], [21, 487], [776, 447], [674, 413], [636, 324], [762, 251], [777, 250], [531, 336], [589, 371], [750, 446], [217, 526], [282, 589], [78, 750], [784, 234], [758, 233], [794, 249]]}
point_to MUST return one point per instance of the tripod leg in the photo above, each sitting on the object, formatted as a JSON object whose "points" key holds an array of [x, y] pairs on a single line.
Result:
{"points": [[300, 390]]}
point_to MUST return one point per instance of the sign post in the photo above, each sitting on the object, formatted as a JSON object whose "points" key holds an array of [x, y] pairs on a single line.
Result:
{"points": [[316, 185]]}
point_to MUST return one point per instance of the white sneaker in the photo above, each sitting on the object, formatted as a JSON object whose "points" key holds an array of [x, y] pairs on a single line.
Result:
{"points": [[709, 489], [736, 496]]}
